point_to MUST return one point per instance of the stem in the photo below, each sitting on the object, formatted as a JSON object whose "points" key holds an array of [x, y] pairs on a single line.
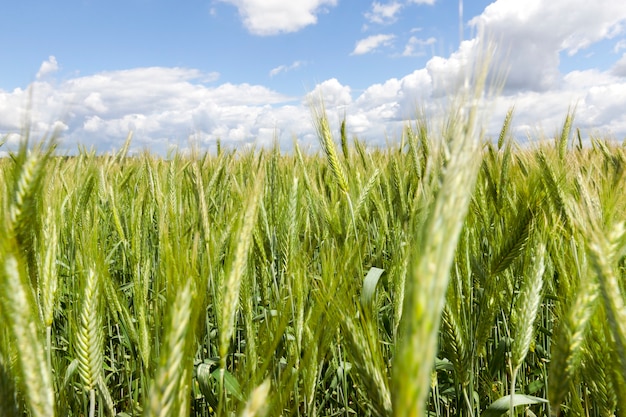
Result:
{"points": [[469, 404], [92, 402], [513, 378], [49, 346]]}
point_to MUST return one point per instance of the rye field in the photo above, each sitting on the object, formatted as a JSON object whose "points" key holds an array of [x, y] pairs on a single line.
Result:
{"points": [[446, 275]]}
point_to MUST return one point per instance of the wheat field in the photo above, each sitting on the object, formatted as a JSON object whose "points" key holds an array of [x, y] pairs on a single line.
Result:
{"points": [[447, 275]]}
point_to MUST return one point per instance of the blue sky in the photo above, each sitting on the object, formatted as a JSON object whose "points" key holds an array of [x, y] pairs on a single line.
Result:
{"points": [[241, 70]]}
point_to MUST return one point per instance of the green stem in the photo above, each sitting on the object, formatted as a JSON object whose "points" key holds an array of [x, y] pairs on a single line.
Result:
{"points": [[92, 402], [513, 378], [49, 346], [469, 404]]}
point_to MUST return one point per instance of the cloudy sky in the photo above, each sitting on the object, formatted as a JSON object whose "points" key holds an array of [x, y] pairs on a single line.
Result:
{"points": [[242, 70]]}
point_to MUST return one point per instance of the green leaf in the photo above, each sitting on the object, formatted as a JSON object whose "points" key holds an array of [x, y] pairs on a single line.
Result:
{"points": [[443, 365], [503, 404], [230, 383], [369, 286], [203, 376]]}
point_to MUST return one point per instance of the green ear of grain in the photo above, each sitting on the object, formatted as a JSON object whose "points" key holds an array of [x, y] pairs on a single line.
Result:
{"points": [[328, 145], [429, 275], [569, 340], [433, 249], [602, 255], [527, 307], [89, 339], [344, 140], [20, 315], [237, 268], [255, 407], [506, 126], [171, 377], [565, 134]]}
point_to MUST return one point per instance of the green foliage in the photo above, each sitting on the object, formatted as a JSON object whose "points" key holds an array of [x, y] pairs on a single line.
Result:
{"points": [[251, 283]]}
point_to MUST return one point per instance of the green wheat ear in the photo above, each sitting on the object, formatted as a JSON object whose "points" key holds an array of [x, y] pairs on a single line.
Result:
{"points": [[17, 305], [90, 344], [171, 376], [432, 257], [330, 149], [506, 127], [89, 339], [256, 405]]}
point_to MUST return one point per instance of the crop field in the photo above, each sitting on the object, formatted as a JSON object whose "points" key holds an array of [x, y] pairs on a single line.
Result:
{"points": [[447, 275]]}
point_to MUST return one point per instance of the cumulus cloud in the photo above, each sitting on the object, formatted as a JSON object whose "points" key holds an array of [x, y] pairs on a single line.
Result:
{"points": [[332, 92], [165, 106], [286, 68], [383, 13], [532, 34], [371, 43], [619, 68], [448, 74], [48, 67], [271, 17], [621, 44], [160, 105], [416, 46]]}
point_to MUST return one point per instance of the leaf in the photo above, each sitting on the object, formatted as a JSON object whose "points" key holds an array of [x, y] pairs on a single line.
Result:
{"points": [[203, 376], [230, 383], [369, 286], [503, 404], [443, 365]]}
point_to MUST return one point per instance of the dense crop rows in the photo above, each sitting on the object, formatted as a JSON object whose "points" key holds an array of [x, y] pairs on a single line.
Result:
{"points": [[354, 282]]}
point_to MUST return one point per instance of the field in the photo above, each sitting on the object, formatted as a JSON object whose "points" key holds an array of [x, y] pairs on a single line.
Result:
{"points": [[449, 275]]}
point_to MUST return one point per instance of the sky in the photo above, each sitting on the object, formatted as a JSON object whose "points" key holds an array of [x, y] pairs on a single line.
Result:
{"points": [[249, 72]]}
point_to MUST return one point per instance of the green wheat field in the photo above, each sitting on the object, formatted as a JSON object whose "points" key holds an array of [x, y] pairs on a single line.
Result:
{"points": [[447, 275]]}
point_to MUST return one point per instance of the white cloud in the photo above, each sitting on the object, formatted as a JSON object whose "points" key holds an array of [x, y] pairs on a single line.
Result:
{"points": [[332, 92], [168, 105], [448, 74], [619, 68], [416, 46], [371, 43], [531, 34], [383, 13], [285, 68], [598, 97], [161, 105], [621, 44], [94, 102], [271, 17], [48, 67], [427, 2]]}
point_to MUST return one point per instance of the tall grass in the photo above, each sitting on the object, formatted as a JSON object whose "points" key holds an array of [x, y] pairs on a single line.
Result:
{"points": [[449, 275]]}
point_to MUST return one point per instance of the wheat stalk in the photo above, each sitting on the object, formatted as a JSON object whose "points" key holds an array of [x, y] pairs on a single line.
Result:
{"points": [[429, 274], [237, 269], [329, 148], [89, 338], [169, 380], [526, 309]]}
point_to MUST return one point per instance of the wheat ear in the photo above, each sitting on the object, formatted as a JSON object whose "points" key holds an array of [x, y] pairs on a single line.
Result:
{"points": [[18, 308], [164, 392]]}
